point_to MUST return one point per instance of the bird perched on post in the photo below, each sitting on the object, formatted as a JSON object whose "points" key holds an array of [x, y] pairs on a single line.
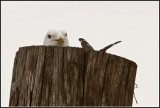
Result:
{"points": [[56, 38], [87, 46]]}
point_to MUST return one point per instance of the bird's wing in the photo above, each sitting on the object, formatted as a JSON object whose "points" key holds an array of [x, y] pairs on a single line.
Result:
{"points": [[107, 47], [85, 44]]}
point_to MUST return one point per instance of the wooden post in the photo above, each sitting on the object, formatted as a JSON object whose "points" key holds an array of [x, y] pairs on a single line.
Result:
{"points": [[69, 76]]}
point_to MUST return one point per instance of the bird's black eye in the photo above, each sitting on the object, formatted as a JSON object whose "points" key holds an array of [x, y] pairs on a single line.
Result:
{"points": [[49, 36], [65, 34]]}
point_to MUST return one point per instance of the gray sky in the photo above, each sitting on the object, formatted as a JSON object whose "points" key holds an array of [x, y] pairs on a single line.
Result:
{"points": [[135, 23]]}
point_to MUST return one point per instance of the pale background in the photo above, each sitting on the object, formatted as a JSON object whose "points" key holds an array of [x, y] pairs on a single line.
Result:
{"points": [[100, 23]]}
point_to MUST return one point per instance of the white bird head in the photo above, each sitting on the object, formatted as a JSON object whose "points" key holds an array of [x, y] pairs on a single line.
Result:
{"points": [[56, 38]]}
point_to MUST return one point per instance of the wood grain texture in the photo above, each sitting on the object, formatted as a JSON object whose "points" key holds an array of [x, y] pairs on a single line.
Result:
{"points": [[70, 76]]}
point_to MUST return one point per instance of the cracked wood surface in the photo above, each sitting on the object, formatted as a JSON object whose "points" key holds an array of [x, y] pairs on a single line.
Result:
{"points": [[70, 76]]}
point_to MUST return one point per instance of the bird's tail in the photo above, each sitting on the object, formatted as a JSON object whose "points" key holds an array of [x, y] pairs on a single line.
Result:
{"points": [[107, 47]]}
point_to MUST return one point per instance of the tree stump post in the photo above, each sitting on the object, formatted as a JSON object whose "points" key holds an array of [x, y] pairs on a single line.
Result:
{"points": [[70, 76]]}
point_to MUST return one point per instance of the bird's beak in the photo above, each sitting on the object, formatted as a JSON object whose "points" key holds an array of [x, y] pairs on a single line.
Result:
{"points": [[60, 40]]}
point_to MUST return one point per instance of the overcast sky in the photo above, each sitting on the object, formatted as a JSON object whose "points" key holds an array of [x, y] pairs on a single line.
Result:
{"points": [[135, 23]]}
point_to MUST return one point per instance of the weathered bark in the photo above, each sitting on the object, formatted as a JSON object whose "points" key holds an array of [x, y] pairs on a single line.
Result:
{"points": [[69, 76]]}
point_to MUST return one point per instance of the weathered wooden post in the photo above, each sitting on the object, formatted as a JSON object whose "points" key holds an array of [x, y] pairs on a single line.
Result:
{"points": [[69, 76]]}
